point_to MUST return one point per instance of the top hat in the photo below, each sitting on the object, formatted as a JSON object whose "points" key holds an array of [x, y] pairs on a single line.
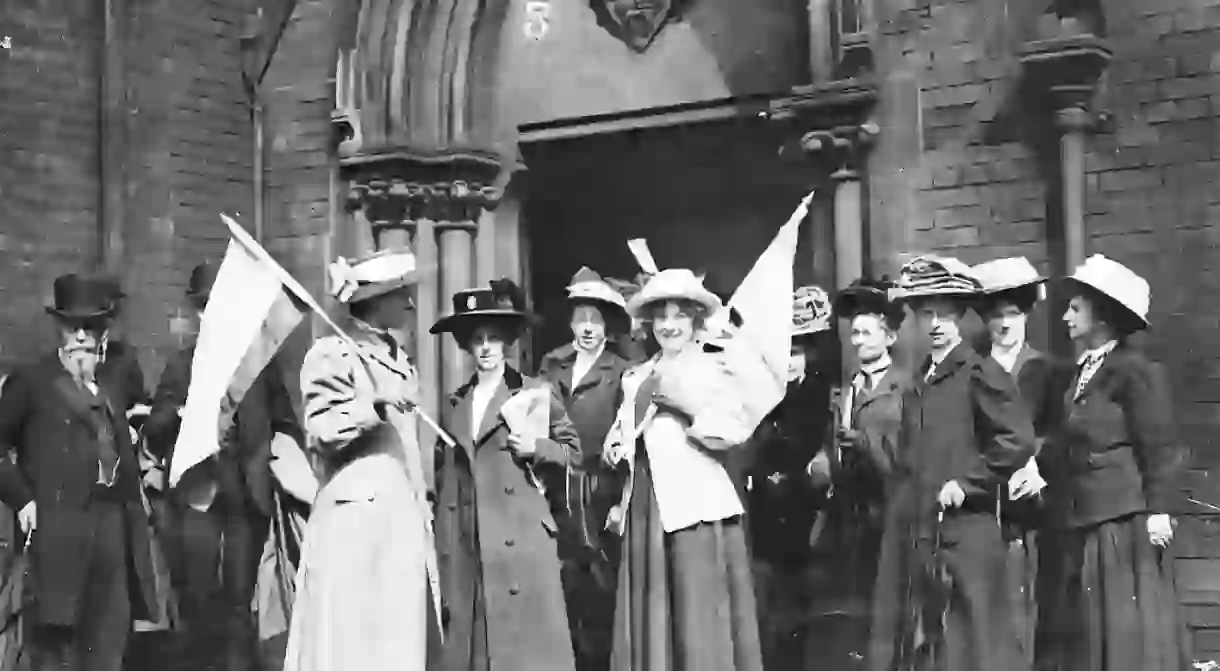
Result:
{"points": [[502, 302], [360, 279], [203, 276], [1117, 282], [77, 297], [673, 284]]}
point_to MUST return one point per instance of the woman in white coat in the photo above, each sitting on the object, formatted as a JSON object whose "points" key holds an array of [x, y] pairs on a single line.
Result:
{"points": [[368, 557]]}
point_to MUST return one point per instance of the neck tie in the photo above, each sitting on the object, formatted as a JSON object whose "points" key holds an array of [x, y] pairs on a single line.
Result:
{"points": [[1087, 368]]}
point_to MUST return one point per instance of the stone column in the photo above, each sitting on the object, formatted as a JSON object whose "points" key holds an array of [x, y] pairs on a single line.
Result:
{"points": [[1072, 123], [455, 243]]}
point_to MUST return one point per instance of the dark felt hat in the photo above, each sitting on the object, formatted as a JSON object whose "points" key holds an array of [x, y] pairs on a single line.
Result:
{"points": [[502, 302], [203, 276], [77, 297]]}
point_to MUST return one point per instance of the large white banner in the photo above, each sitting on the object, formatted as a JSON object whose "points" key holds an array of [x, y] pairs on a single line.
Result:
{"points": [[241, 298]]}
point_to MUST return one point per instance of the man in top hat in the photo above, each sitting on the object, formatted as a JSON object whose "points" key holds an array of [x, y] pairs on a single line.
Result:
{"points": [[495, 527], [588, 376], [75, 484], [225, 502], [782, 504], [942, 590], [118, 360]]}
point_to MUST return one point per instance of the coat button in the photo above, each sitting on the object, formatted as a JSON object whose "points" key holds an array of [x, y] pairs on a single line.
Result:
{"points": [[510, 490], [514, 590], [510, 542]]}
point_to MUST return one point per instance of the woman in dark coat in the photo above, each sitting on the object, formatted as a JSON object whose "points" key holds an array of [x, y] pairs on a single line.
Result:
{"points": [[496, 534], [1111, 467], [1011, 288]]}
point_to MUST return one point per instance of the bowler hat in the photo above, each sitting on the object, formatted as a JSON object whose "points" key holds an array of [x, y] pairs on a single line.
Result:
{"points": [[77, 297], [502, 302]]}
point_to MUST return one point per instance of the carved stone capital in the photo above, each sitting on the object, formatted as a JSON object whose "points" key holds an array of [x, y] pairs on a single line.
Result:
{"points": [[1066, 70], [841, 149], [398, 188]]}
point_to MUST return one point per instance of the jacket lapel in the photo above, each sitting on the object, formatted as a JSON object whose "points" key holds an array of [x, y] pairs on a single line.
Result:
{"points": [[1101, 376], [462, 402], [80, 401], [563, 378], [602, 367], [886, 386], [1026, 355]]}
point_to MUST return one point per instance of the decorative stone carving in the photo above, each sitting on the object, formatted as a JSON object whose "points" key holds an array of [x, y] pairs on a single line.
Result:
{"points": [[830, 122], [636, 22]]}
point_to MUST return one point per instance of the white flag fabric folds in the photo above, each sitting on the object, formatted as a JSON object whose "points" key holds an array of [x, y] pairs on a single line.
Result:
{"points": [[249, 315], [757, 352]]}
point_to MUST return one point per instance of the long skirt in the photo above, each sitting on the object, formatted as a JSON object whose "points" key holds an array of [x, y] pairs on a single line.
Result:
{"points": [[1117, 607], [1022, 583], [362, 589], [685, 599]]}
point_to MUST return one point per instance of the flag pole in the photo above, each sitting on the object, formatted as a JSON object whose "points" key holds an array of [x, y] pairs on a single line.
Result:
{"points": [[246, 240]]}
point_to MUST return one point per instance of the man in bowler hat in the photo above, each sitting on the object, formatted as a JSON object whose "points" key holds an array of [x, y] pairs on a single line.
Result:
{"points": [[227, 501], [75, 484]]}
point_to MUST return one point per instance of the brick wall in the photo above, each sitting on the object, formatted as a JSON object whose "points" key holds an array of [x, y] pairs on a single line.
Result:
{"points": [[48, 144], [947, 184]]}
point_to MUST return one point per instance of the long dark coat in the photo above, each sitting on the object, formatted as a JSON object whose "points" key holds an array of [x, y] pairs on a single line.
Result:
{"points": [[1111, 463], [591, 403], [45, 417], [966, 423], [496, 540], [121, 372]]}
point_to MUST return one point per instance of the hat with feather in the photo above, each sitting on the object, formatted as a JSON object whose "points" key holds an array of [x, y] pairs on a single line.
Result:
{"points": [[810, 311], [931, 276], [589, 287]]}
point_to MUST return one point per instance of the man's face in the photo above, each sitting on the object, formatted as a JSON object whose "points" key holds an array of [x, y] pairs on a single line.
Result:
{"points": [[940, 320], [1006, 325], [487, 345], [871, 337], [588, 328], [80, 339]]}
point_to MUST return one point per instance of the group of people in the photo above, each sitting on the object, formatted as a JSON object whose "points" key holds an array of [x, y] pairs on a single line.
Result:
{"points": [[993, 508]]}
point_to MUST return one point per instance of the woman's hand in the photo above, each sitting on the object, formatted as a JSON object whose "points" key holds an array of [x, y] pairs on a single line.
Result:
{"points": [[1027, 481], [521, 446], [1160, 529], [951, 495]]}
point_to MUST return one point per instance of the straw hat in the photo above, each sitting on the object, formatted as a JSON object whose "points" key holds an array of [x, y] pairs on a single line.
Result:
{"points": [[372, 275], [502, 302], [673, 284], [810, 311], [587, 285], [927, 276], [1010, 274], [1118, 282]]}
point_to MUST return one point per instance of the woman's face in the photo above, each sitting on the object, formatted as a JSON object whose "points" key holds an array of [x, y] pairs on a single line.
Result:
{"points": [[673, 325], [1006, 325], [487, 345], [871, 337], [940, 320], [1080, 318], [588, 328], [393, 308]]}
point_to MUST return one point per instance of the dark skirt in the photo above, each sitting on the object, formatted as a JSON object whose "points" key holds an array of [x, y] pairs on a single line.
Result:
{"points": [[685, 599], [1022, 582], [1117, 607]]}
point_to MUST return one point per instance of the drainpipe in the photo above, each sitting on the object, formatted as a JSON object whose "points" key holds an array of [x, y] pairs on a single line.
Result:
{"points": [[253, 71], [260, 170], [111, 145]]}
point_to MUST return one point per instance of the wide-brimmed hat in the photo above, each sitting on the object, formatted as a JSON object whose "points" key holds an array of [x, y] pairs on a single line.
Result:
{"points": [[928, 276], [355, 280], [77, 297], [1013, 274], [1118, 282], [503, 302], [203, 276], [810, 310], [588, 286], [674, 284], [871, 296]]}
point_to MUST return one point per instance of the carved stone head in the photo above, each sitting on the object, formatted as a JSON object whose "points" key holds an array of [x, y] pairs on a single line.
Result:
{"points": [[635, 22]]}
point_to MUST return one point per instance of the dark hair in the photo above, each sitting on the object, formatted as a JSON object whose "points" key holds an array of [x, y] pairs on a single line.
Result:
{"points": [[1109, 311], [1024, 298], [891, 314]]}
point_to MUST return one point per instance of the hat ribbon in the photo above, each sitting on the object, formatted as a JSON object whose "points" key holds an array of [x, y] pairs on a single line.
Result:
{"points": [[342, 285]]}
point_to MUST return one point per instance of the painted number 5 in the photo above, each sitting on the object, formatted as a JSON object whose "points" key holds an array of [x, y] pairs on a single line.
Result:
{"points": [[537, 18]]}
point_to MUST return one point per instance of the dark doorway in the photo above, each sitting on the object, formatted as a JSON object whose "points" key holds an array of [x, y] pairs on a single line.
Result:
{"points": [[708, 197]]}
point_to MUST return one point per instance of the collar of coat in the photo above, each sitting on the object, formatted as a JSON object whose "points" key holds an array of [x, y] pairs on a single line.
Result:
{"points": [[952, 361], [512, 379]]}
